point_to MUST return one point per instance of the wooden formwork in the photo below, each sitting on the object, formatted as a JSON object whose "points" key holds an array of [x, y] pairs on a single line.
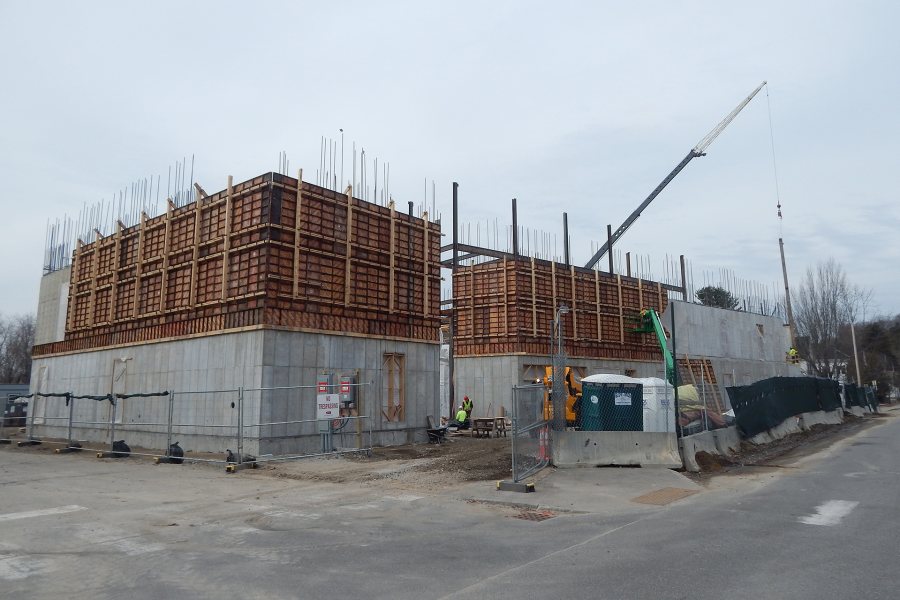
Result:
{"points": [[506, 306], [265, 252]]}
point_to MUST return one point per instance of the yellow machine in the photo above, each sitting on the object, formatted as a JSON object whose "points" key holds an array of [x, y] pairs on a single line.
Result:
{"points": [[573, 393]]}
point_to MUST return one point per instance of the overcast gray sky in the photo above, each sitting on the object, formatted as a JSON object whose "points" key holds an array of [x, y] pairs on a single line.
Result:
{"points": [[567, 106]]}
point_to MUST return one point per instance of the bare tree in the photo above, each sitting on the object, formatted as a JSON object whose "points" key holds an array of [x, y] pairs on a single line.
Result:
{"points": [[823, 308], [16, 341]]}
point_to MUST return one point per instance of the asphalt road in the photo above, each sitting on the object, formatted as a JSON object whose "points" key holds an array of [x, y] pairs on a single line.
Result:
{"points": [[76, 527]]}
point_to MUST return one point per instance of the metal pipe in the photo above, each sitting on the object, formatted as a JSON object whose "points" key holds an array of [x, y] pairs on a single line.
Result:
{"points": [[452, 387], [71, 402], [609, 244]]}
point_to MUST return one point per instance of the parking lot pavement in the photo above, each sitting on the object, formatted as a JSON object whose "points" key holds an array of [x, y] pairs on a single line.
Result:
{"points": [[79, 527]]}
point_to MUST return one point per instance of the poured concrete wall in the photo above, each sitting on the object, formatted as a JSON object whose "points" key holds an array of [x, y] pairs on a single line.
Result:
{"points": [[488, 380], [205, 374], [743, 347]]}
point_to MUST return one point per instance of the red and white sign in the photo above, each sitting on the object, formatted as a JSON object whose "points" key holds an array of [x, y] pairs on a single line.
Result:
{"points": [[323, 387], [328, 406], [345, 387]]}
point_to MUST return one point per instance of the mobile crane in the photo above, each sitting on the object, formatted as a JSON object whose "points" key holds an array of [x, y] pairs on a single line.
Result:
{"points": [[698, 150]]}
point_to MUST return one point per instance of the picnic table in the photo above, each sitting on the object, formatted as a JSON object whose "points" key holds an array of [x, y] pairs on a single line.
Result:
{"points": [[485, 426]]}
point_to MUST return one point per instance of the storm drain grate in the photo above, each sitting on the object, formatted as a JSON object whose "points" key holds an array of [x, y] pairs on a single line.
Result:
{"points": [[534, 515]]}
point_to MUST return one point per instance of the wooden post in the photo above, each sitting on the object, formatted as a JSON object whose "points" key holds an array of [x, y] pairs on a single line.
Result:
{"points": [[505, 300], [553, 285], [298, 210], [640, 294], [597, 299], [167, 239], [95, 269], [574, 307], [391, 289], [425, 265], [115, 281], [229, 200], [472, 286], [139, 261], [73, 287], [533, 301], [195, 257], [348, 247], [621, 313]]}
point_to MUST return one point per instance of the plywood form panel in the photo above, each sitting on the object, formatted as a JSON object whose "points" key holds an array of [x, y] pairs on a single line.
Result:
{"points": [[491, 321], [272, 255]]}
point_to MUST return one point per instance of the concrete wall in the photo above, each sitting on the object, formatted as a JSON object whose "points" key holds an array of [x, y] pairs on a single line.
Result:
{"points": [[216, 366], [488, 380], [743, 347], [220, 362], [602, 448], [50, 325]]}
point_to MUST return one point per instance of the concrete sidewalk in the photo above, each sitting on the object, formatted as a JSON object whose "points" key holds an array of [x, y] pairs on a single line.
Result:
{"points": [[603, 491]]}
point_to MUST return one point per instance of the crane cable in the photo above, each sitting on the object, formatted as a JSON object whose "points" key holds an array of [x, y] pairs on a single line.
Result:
{"points": [[774, 165]]}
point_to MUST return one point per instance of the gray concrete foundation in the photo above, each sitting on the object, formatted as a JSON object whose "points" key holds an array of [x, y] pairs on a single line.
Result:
{"points": [[212, 376], [488, 380]]}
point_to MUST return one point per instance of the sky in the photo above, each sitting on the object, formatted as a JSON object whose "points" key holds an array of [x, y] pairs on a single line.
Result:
{"points": [[576, 107]]}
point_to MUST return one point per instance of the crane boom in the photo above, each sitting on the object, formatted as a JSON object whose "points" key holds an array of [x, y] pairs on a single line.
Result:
{"points": [[698, 150]]}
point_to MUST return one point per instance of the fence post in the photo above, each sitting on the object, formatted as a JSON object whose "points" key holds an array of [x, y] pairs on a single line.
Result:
{"points": [[71, 402], [112, 422], [240, 431], [513, 433], [170, 420], [705, 408], [32, 408]]}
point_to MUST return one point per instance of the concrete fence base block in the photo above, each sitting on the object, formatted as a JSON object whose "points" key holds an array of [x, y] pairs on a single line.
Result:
{"points": [[728, 440], [692, 444], [857, 411], [820, 417], [762, 438], [605, 448]]}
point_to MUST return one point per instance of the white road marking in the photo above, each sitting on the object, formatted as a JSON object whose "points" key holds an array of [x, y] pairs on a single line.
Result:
{"points": [[403, 498], [59, 510], [830, 513], [132, 545]]}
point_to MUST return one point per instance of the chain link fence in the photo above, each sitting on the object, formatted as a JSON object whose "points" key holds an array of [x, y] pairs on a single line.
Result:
{"points": [[530, 431], [237, 426]]}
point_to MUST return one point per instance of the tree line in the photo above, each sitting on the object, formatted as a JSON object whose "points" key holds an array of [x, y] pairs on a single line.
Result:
{"points": [[829, 312], [16, 341]]}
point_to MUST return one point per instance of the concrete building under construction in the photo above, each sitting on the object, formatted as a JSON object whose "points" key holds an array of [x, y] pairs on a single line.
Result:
{"points": [[269, 284]]}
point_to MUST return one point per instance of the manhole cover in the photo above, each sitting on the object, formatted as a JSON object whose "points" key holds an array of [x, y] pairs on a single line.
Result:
{"points": [[534, 515], [664, 496]]}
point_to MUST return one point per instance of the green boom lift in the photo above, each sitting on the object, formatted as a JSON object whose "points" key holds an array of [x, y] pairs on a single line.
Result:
{"points": [[650, 323]]}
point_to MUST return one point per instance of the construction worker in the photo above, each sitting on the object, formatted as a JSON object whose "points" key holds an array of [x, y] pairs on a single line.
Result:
{"points": [[468, 406], [462, 418], [793, 355]]}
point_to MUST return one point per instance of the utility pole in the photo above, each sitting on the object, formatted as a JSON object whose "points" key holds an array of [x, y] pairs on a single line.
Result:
{"points": [[787, 293]]}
